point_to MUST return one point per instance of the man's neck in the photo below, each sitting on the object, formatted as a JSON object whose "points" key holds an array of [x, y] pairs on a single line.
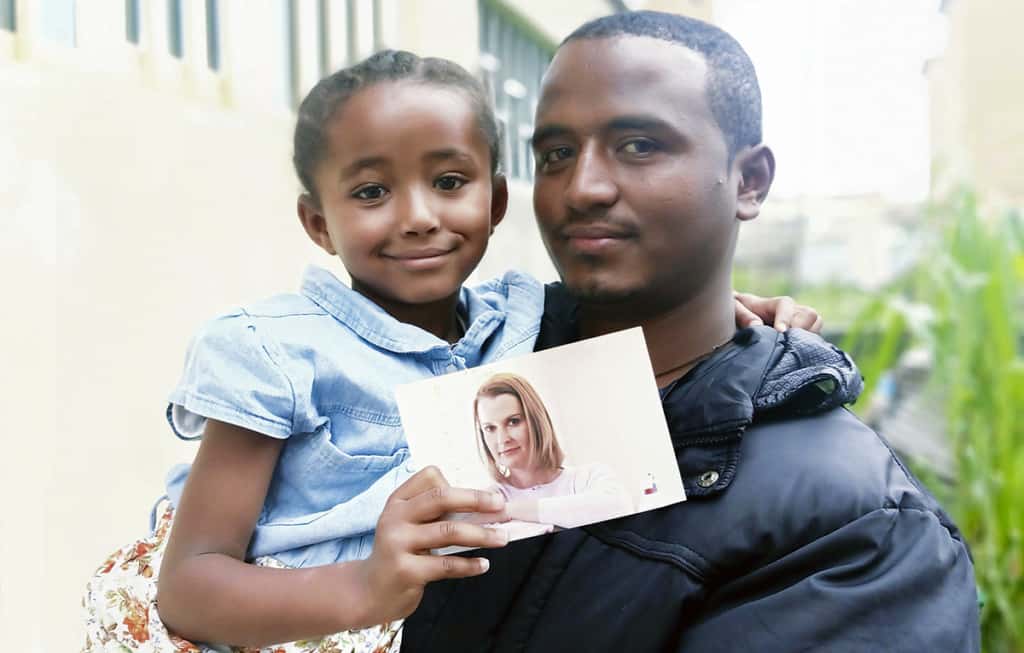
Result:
{"points": [[679, 336]]}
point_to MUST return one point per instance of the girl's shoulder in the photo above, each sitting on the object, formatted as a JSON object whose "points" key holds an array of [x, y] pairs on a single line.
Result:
{"points": [[513, 284], [516, 295], [278, 319]]}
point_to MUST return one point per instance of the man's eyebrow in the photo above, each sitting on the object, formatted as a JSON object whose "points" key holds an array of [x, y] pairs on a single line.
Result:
{"points": [[638, 122], [359, 164], [548, 131], [621, 123]]}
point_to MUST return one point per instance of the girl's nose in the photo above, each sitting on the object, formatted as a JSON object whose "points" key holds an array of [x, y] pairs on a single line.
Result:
{"points": [[418, 217]]}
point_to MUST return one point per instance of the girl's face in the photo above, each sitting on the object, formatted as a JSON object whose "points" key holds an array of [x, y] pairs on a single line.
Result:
{"points": [[505, 431], [407, 199]]}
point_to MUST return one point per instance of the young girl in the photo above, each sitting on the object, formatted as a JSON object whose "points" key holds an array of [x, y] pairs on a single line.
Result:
{"points": [[300, 521]]}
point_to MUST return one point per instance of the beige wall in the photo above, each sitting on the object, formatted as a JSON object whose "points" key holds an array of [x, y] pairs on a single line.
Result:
{"points": [[977, 100]]}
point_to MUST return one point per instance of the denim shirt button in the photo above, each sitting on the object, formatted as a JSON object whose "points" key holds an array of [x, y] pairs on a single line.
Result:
{"points": [[708, 478]]}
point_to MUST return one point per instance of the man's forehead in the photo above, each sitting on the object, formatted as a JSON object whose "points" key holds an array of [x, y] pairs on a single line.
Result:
{"points": [[630, 72]]}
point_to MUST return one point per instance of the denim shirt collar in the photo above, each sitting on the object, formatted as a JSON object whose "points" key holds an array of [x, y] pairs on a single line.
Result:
{"points": [[375, 325]]}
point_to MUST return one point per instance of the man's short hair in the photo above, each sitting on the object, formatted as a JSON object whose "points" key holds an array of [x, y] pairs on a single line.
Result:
{"points": [[732, 88]]}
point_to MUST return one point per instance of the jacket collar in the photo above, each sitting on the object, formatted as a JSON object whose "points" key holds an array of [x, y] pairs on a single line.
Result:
{"points": [[763, 373], [375, 325]]}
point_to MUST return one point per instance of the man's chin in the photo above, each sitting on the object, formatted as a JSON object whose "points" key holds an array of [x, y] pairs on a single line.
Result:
{"points": [[591, 291]]}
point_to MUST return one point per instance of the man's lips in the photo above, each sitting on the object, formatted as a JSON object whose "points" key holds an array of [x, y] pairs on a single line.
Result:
{"points": [[595, 238]]}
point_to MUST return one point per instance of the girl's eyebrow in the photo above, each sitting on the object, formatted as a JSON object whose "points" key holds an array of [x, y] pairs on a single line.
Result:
{"points": [[365, 162], [448, 153]]}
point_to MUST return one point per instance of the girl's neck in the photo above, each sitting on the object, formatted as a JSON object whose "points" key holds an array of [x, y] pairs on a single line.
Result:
{"points": [[438, 317]]}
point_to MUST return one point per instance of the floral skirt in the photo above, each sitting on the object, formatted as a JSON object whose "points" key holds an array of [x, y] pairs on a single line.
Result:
{"points": [[121, 615]]}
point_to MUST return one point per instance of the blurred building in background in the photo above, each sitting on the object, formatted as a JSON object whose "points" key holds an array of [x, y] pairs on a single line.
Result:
{"points": [[977, 133]]}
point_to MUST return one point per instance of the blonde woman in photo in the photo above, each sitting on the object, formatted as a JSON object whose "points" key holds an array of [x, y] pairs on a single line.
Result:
{"points": [[517, 443]]}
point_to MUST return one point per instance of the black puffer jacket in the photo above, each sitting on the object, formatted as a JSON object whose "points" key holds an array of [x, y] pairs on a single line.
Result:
{"points": [[802, 531]]}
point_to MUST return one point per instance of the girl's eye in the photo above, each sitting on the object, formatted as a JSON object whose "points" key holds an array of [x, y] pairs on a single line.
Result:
{"points": [[514, 421], [449, 182], [370, 192], [489, 429], [554, 155], [640, 147]]}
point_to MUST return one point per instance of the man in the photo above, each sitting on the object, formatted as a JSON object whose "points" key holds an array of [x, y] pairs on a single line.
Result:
{"points": [[802, 530]]}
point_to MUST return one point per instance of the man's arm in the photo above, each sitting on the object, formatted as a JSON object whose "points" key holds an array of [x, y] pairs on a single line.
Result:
{"points": [[894, 579]]}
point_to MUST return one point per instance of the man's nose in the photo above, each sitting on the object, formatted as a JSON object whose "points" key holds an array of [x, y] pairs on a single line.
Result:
{"points": [[592, 185], [418, 216]]}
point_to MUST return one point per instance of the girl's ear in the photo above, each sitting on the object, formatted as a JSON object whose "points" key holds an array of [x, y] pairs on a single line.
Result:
{"points": [[499, 200], [757, 170], [313, 221]]}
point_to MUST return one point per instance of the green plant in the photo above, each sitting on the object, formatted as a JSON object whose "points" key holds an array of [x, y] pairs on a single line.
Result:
{"points": [[963, 302]]}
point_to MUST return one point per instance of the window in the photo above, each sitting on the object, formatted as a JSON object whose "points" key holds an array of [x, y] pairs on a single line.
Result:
{"points": [[8, 15], [290, 61], [57, 21], [513, 59], [323, 37], [132, 21], [213, 34], [175, 29]]}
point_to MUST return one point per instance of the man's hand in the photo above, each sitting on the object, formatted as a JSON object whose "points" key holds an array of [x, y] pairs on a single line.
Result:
{"points": [[409, 527], [781, 312]]}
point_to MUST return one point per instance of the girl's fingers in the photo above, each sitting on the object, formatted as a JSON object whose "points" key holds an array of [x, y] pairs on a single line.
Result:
{"points": [[744, 316], [420, 482], [441, 500], [432, 567], [804, 317], [441, 534], [817, 326], [784, 307]]}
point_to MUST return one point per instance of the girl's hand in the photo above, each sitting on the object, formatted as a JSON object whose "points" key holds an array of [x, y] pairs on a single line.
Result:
{"points": [[780, 312], [409, 527]]}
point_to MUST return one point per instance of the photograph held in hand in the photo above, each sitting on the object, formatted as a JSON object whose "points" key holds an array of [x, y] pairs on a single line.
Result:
{"points": [[568, 436]]}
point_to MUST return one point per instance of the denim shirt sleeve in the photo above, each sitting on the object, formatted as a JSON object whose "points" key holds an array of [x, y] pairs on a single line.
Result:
{"points": [[233, 374]]}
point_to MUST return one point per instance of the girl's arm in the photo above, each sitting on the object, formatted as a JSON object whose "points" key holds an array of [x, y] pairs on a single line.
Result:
{"points": [[206, 591]]}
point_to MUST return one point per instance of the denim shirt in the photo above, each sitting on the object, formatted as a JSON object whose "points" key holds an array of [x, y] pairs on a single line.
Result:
{"points": [[318, 369]]}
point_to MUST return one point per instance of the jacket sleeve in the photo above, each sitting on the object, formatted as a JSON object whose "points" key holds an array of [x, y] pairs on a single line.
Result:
{"points": [[895, 579]]}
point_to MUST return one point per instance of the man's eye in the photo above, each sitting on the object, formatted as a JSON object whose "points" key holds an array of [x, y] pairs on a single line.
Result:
{"points": [[449, 182], [640, 147], [555, 155], [370, 192]]}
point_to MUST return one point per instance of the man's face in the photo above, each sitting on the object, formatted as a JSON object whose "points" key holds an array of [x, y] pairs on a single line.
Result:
{"points": [[635, 195]]}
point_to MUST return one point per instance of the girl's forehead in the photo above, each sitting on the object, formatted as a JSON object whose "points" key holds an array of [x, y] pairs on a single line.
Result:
{"points": [[406, 118]]}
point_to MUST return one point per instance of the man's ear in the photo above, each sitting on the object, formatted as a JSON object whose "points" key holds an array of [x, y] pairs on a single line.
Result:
{"points": [[312, 218], [757, 170], [499, 200]]}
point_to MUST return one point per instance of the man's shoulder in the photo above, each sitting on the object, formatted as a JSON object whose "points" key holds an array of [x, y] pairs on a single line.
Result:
{"points": [[796, 480]]}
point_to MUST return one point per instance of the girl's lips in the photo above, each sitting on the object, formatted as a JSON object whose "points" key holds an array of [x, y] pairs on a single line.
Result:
{"points": [[508, 451], [421, 259]]}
